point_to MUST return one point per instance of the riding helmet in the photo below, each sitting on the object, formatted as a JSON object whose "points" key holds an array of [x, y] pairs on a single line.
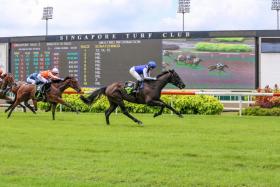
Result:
{"points": [[152, 64], [55, 70]]}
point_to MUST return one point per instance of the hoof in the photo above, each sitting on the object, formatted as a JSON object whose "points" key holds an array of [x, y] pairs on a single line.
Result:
{"points": [[140, 123], [156, 115]]}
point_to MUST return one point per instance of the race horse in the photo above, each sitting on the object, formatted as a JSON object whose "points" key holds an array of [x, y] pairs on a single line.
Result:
{"points": [[219, 67], [6, 84], [53, 95], [150, 95]]}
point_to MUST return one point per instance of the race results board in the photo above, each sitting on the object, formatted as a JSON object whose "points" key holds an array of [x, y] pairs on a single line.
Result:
{"points": [[93, 63]]}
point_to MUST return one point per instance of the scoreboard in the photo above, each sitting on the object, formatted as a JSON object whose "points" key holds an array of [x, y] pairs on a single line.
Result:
{"points": [[93, 63], [98, 60]]}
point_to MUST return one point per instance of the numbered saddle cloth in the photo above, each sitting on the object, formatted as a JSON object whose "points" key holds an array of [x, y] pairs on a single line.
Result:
{"points": [[129, 87]]}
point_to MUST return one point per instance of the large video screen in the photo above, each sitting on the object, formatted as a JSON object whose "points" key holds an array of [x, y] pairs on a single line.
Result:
{"points": [[212, 63], [93, 63], [203, 63]]}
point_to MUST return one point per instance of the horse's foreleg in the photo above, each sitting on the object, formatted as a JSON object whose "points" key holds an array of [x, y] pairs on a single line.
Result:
{"points": [[53, 105], [108, 112], [8, 108], [9, 101], [61, 101], [13, 107], [163, 104], [125, 112]]}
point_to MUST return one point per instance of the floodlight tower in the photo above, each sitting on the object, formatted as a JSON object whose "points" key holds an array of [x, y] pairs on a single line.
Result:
{"points": [[276, 6], [184, 7], [47, 14]]}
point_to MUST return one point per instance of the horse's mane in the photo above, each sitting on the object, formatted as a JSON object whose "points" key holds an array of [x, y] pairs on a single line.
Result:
{"points": [[66, 78], [164, 72], [59, 80]]}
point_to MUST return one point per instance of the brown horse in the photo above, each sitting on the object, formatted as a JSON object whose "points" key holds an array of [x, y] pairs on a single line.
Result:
{"points": [[6, 85], [149, 95], [53, 96]]}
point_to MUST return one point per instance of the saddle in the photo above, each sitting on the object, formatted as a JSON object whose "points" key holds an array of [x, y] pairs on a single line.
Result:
{"points": [[41, 90], [129, 87]]}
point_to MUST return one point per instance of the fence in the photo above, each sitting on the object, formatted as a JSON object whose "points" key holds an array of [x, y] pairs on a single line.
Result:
{"points": [[240, 102]]}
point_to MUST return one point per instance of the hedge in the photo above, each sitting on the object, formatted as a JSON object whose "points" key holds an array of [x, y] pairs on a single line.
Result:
{"points": [[185, 104], [229, 39], [259, 111], [221, 47]]}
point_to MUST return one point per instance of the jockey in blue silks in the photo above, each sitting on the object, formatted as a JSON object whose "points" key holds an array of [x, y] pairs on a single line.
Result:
{"points": [[32, 79], [142, 72]]}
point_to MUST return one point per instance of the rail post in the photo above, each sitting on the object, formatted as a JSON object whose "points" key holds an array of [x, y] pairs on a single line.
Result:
{"points": [[240, 105]]}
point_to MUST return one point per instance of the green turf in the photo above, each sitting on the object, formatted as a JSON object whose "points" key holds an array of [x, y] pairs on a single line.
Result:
{"points": [[80, 150]]}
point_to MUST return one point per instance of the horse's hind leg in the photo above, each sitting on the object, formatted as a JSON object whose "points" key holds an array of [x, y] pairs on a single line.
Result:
{"points": [[159, 112], [125, 112], [108, 112], [29, 106], [49, 108], [23, 107]]}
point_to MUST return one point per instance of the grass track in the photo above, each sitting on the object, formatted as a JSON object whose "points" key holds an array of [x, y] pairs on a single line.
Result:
{"points": [[80, 150]]}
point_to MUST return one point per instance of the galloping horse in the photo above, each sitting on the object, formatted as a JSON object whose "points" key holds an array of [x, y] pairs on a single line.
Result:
{"points": [[149, 95], [220, 67], [53, 96], [6, 84]]}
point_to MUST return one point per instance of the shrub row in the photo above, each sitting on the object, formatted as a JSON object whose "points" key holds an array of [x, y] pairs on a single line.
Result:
{"points": [[221, 47], [258, 111], [265, 105], [184, 104], [229, 39]]}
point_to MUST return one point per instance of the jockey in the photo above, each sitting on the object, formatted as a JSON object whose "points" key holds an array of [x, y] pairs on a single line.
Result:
{"points": [[142, 72], [46, 77], [32, 79]]}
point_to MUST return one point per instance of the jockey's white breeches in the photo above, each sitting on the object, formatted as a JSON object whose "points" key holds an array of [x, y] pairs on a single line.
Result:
{"points": [[30, 81], [135, 74]]}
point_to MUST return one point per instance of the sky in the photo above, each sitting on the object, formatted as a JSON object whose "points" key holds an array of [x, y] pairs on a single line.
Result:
{"points": [[23, 17]]}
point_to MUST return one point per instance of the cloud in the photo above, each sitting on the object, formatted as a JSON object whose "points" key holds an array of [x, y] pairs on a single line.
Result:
{"points": [[23, 17]]}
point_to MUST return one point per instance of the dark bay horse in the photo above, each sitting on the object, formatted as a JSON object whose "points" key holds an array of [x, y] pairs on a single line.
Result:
{"points": [[53, 96], [149, 95]]}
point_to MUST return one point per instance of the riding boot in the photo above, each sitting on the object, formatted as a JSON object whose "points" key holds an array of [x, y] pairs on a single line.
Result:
{"points": [[40, 91], [43, 91], [137, 87]]}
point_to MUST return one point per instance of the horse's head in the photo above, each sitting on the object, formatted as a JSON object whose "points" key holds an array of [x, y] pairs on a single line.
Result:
{"points": [[8, 81], [176, 80], [73, 83]]}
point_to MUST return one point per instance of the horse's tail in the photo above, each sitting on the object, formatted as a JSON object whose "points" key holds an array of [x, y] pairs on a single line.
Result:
{"points": [[93, 96]]}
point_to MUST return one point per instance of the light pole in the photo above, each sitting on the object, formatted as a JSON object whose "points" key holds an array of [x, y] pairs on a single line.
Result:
{"points": [[47, 14], [184, 7], [276, 6]]}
